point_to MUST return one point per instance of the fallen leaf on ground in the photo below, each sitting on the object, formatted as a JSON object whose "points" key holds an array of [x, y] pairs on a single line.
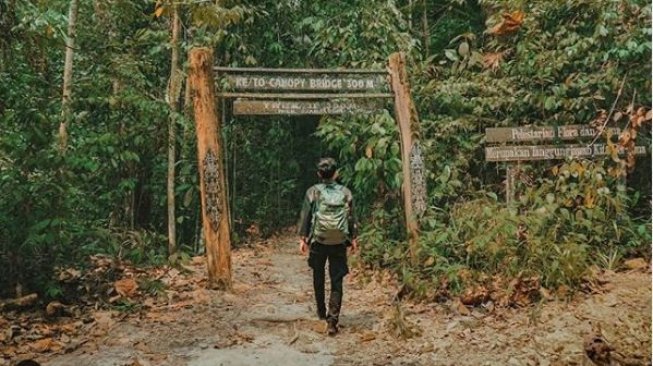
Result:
{"points": [[45, 345], [69, 274], [126, 287], [546, 294], [103, 319], [224, 343], [143, 347], [367, 336], [316, 326], [636, 263], [427, 347], [54, 308], [137, 362], [460, 308], [474, 296], [598, 350]]}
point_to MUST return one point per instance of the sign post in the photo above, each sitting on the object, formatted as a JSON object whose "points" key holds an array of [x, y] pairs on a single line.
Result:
{"points": [[301, 107], [534, 134], [310, 82], [215, 210], [411, 160]]}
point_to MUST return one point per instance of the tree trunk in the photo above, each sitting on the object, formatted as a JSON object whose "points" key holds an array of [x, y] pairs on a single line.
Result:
{"points": [[68, 76], [425, 29], [410, 15], [215, 209], [174, 90], [406, 116], [187, 110], [7, 23]]}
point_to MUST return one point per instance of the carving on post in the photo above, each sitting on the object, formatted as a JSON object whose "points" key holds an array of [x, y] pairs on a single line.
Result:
{"points": [[418, 183], [212, 189]]}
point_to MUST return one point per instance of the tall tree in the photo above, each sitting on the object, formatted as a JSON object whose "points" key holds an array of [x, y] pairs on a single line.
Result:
{"points": [[7, 22], [174, 91], [426, 37], [68, 75]]}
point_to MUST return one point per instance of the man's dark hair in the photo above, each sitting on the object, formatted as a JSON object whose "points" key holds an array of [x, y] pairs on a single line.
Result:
{"points": [[326, 168]]}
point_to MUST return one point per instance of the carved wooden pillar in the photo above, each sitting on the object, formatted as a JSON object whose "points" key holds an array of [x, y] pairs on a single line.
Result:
{"points": [[413, 187], [215, 210]]}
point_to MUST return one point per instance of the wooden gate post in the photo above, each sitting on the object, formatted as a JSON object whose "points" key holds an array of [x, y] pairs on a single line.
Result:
{"points": [[408, 121], [215, 210]]}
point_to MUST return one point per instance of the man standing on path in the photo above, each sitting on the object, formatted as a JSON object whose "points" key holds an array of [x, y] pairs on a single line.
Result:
{"points": [[327, 226]]}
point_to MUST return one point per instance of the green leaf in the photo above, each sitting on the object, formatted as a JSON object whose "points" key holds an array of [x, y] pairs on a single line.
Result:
{"points": [[602, 30], [549, 103], [188, 197], [550, 198], [463, 49], [39, 226], [451, 54]]}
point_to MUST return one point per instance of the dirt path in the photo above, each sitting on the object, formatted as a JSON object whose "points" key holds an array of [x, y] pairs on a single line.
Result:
{"points": [[269, 320]]}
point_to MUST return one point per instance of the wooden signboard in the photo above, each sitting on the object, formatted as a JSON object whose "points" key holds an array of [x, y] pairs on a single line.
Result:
{"points": [[535, 134], [324, 82], [549, 152], [301, 107]]}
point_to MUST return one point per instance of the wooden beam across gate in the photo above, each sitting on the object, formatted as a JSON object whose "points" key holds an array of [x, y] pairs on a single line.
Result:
{"points": [[307, 82], [225, 69], [295, 96]]}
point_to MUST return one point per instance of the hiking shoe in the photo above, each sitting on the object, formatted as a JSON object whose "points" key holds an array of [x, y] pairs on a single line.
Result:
{"points": [[332, 328]]}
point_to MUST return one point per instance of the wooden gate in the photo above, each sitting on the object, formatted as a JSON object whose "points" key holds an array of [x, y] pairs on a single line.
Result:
{"points": [[265, 91]]}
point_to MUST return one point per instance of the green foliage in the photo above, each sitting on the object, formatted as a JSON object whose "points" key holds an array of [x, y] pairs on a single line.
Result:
{"points": [[57, 206], [368, 153], [560, 67], [554, 70], [275, 158], [346, 38], [560, 226], [563, 65], [317, 34]]}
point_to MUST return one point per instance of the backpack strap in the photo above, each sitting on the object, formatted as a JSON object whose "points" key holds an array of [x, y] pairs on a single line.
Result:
{"points": [[317, 192]]}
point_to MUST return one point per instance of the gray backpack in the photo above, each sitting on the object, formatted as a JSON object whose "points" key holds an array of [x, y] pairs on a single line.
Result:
{"points": [[330, 215]]}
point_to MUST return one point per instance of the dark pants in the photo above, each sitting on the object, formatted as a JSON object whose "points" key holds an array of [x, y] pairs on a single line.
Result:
{"points": [[337, 257]]}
